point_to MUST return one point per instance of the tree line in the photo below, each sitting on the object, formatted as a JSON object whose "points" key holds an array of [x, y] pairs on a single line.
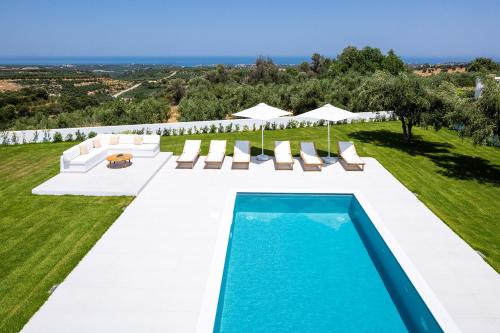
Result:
{"points": [[357, 79]]}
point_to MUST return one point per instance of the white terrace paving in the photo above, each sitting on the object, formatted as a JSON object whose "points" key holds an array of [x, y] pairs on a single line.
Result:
{"points": [[104, 181], [149, 271]]}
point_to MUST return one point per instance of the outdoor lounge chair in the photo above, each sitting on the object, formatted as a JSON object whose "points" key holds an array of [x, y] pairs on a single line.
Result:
{"points": [[190, 154], [349, 158], [216, 154], [283, 155], [310, 157], [241, 155]]}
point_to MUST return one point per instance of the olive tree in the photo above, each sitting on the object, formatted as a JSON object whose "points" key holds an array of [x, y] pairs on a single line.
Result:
{"points": [[480, 120], [403, 93]]}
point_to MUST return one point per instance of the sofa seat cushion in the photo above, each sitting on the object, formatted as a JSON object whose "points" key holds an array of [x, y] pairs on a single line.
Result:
{"points": [[131, 147], [83, 159]]}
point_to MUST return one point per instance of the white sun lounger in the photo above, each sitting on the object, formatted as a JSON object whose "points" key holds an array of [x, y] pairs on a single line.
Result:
{"points": [[283, 154], [216, 154], [349, 158], [190, 154], [310, 156], [241, 155]]}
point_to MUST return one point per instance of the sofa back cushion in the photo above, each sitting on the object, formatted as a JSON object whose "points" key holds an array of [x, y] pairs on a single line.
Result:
{"points": [[151, 139], [71, 153], [127, 138]]}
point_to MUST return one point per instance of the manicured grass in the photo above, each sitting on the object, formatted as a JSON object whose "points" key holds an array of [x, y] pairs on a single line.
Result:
{"points": [[42, 238], [458, 181]]}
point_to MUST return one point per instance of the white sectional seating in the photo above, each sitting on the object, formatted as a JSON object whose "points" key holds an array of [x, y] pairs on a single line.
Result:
{"points": [[138, 145]]}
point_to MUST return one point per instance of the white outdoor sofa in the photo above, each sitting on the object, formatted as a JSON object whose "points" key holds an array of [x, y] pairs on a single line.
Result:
{"points": [[138, 145]]}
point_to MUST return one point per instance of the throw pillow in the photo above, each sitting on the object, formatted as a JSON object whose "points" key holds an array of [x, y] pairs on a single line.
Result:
{"points": [[84, 149], [113, 139]]}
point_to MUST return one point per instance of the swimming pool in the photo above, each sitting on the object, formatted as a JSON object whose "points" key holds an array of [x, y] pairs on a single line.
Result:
{"points": [[313, 263]]}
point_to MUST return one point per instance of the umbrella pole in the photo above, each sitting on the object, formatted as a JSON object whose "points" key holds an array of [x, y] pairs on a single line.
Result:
{"points": [[262, 138], [328, 139], [262, 156], [328, 159]]}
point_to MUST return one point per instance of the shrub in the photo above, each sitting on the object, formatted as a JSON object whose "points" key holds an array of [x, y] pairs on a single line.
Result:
{"points": [[158, 131], [181, 131], [213, 128], [245, 128], [221, 128], [80, 136], [57, 137], [46, 136], [5, 138], [166, 132], [69, 137], [35, 137], [189, 131], [13, 139], [237, 127], [92, 134], [229, 127]]}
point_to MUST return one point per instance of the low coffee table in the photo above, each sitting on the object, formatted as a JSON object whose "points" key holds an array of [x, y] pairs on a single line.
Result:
{"points": [[119, 158]]}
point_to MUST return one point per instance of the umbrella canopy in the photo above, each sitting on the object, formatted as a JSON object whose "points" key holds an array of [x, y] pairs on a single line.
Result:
{"points": [[262, 112], [329, 113]]}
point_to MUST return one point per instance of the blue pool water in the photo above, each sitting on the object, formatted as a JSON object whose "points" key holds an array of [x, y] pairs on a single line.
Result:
{"points": [[313, 263]]}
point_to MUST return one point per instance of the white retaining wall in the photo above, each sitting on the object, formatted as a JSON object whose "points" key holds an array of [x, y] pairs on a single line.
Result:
{"points": [[47, 135]]}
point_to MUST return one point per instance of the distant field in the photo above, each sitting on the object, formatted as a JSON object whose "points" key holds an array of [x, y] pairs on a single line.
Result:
{"points": [[42, 238], [8, 85]]}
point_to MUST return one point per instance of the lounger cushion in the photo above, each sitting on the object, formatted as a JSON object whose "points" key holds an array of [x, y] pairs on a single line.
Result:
{"points": [[215, 157], [308, 154], [282, 152], [241, 152], [187, 157], [349, 154]]}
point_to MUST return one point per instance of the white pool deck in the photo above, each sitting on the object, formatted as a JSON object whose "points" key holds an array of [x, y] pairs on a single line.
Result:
{"points": [[104, 181], [154, 269]]}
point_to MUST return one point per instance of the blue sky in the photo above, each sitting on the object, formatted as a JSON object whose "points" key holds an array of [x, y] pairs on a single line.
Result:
{"points": [[256, 27]]}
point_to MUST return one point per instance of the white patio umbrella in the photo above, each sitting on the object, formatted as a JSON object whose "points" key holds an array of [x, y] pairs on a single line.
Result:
{"points": [[262, 112], [329, 113]]}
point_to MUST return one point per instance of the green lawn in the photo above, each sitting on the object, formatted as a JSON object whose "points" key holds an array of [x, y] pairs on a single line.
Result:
{"points": [[42, 238]]}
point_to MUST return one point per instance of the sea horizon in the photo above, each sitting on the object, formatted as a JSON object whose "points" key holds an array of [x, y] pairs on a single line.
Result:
{"points": [[195, 61]]}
